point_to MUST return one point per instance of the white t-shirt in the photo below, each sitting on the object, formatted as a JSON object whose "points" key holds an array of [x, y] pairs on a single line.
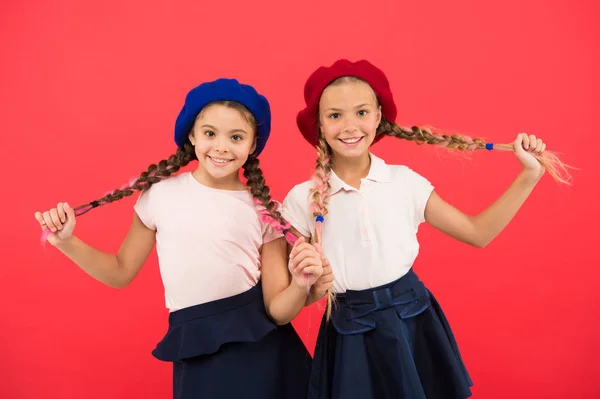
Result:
{"points": [[369, 235], [207, 240]]}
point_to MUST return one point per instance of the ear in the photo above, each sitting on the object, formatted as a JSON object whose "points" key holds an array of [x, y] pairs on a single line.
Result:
{"points": [[379, 114], [192, 137], [254, 146]]}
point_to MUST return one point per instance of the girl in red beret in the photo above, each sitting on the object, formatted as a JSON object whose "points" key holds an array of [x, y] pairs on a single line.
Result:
{"points": [[229, 288], [384, 334]]}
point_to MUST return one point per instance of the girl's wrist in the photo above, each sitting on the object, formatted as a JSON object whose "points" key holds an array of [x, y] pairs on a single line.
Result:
{"points": [[531, 176]]}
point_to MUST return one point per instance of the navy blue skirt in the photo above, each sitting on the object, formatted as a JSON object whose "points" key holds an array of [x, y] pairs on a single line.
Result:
{"points": [[230, 348], [391, 341]]}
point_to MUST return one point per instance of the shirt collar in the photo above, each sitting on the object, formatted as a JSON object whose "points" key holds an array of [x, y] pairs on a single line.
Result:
{"points": [[379, 172]]}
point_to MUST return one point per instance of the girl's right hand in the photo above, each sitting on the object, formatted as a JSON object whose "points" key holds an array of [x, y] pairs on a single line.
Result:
{"points": [[60, 222]]}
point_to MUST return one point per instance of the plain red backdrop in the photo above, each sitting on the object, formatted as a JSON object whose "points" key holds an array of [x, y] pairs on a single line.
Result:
{"points": [[89, 92]]}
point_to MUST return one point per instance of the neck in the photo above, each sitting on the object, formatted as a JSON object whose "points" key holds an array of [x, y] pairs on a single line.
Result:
{"points": [[352, 170], [230, 182]]}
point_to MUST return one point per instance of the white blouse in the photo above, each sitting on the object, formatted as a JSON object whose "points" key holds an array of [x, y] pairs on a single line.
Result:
{"points": [[369, 235]]}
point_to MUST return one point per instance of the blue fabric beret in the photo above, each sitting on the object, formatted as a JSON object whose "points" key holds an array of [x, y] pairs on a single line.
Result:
{"points": [[224, 90]]}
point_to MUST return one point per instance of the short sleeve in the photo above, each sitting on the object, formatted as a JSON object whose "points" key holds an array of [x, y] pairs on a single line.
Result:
{"points": [[143, 208], [296, 209], [421, 190], [268, 232]]}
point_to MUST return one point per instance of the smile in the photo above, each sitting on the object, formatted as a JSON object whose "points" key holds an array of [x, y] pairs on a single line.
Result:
{"points": [[219, 161], [351, 141]]}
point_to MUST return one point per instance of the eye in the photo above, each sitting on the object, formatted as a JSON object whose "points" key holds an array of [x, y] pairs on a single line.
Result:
{"points": [[363, 112], [209, 133], [236, 137], [335, 115]]}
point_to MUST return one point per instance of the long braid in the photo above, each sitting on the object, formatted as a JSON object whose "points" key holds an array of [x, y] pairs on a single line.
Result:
{"points": [[554, 166], [320, 192], [425, 136], [267, 208], [153, 174], [320, 196]]}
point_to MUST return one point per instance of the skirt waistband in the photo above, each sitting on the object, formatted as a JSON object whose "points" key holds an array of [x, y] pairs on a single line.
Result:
{"points": [[203, 329], [354, 311], [254, 294]]}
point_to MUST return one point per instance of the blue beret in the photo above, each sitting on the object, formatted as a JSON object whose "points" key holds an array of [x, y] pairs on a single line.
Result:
{"points": [[224, 90]]}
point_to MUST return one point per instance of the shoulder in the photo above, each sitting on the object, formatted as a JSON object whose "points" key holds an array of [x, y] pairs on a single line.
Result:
{"points": [[300, 193], [401, 171], [169, 184], [403, 174]]}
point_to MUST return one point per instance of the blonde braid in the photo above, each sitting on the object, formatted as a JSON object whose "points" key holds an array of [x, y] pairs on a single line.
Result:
{"points": [[320, 197], [426, 136], [557, 169]]}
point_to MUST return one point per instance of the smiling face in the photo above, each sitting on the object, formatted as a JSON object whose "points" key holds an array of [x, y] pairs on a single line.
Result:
{"points": [[349, 114], [223, 136]]}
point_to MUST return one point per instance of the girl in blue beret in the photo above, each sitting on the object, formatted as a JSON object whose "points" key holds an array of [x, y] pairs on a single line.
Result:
{"points": [[229, 287]]}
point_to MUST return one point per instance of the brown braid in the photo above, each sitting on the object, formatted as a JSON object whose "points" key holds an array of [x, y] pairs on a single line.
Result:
{"points": [[154, 174], [258, 188], [183, 156], [252, 172]]}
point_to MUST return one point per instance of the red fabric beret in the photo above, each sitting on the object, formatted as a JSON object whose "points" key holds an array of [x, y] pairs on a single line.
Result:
{"points": [[322, 77]]}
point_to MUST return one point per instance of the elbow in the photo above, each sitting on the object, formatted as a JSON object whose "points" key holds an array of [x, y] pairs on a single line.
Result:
{"points": [[278, 320], [274, 315], [480, 242], [478, 237], [120, 281], [476, 240], [121, 276], [281, 322], [119, 284]]}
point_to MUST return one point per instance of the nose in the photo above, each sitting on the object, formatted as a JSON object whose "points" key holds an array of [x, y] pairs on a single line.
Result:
{"points": [[349, 125], [220, 144]]}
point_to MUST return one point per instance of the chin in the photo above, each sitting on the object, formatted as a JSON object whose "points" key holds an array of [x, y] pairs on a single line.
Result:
{"points": [[221, 173], [355, 152]]}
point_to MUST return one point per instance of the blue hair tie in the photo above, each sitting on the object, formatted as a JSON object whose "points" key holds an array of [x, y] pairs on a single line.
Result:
{"points": [[320, 219], [489, 146]]}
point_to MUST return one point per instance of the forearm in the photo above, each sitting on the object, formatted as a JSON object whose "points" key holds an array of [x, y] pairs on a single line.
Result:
{"points": [[489, 223], [100, 265], [284, 307]]}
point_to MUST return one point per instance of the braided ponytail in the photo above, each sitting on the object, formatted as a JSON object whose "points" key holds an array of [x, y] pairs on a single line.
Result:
{"points": [[556, 168]]}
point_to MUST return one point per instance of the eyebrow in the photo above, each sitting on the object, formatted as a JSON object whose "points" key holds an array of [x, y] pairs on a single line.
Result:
{"points": [[337, 109], [231, 131]]}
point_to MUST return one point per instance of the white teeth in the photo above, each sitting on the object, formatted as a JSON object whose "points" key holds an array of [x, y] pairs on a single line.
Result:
{"points": [[350, 141], [219, 160]]}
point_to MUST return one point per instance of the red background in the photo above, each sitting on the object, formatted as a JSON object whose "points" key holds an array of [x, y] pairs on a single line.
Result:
{"points": [[89, 92]]}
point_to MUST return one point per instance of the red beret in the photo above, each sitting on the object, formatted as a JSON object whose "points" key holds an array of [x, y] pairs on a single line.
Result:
{"points": [[322, 77]]}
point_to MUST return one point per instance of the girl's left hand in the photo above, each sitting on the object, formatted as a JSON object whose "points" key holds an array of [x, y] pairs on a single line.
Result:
{"points": [[325, 282], [526, 146], [305, 264]]}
